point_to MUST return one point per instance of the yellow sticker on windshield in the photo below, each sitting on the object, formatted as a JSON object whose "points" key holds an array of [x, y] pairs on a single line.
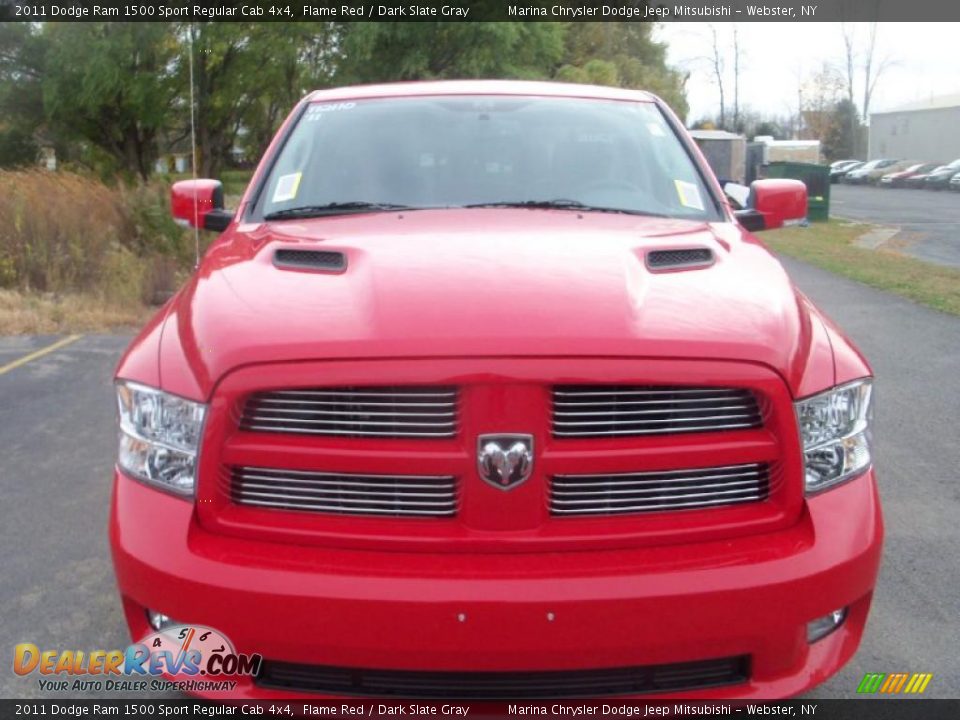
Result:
{"points": [[287, 187], [689, 194]]}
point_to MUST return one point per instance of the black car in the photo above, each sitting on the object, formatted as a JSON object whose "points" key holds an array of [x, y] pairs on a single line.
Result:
{"points": [[939, 179]]}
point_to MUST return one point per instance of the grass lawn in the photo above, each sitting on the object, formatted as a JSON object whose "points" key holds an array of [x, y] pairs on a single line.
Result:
{"points": [[831, 245]]}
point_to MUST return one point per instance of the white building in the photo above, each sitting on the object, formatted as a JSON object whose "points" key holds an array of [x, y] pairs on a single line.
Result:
{"points": [[926, 131]]}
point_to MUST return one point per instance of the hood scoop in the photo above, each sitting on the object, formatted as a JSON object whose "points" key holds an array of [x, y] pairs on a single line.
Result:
{"points": [[679, 259], [316, 260]]}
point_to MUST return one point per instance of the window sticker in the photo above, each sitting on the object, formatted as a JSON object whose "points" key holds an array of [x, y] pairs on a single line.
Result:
{"points": [[689, 194], [655, 129], [287, 187], [316, 112]]}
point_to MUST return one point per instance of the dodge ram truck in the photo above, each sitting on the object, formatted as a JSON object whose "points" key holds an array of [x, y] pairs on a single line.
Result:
{"points": [[486, 390]]}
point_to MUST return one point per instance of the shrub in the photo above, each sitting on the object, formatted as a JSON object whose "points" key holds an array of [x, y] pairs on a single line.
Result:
{"points": [[65, 233]]}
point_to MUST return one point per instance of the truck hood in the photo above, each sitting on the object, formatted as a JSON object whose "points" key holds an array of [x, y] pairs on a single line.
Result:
{"points": [[459, 283]]}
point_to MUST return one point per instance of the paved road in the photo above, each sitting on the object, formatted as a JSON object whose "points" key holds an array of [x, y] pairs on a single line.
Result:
{"points": [[58, 442], [929, 221]]}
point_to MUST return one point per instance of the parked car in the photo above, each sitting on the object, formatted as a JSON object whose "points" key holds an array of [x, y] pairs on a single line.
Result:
{"points": [[955, 183], [838, 171], [859, 176], [916, 182], [483, 390], [900, 177], [873, 177], [939, 179]]}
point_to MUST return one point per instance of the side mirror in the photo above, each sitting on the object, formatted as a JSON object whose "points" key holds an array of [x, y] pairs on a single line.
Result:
{"points": [[199, 203], [773, 202]]}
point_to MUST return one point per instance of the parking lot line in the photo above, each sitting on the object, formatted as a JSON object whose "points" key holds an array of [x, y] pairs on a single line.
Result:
{"points": [[39, 353]]}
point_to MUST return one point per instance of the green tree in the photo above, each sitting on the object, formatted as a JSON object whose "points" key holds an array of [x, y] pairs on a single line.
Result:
{"points": [[223, 72], [842, 138], [303, 57], [22, 53], [637, 60], [378, 52], [17, 148], [111, 86]]}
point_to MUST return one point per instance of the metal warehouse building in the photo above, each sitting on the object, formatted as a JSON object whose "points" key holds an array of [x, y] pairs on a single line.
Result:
{"points": [[922, 131]]}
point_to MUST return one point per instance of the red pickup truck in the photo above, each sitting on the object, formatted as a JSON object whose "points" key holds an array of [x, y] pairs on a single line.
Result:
{"points": [[485, 390]]}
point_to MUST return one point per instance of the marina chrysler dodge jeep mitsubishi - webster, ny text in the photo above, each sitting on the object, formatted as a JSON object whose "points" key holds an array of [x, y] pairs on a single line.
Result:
{"points": [[486, 390]]}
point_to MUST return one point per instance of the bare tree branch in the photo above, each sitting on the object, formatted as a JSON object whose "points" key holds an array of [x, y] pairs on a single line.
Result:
{"points": [[736, 79], [718, 74]]}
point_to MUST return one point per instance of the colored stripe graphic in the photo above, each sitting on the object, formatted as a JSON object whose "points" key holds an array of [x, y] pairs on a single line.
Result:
{"points": [[894, 683], [871, 682]]}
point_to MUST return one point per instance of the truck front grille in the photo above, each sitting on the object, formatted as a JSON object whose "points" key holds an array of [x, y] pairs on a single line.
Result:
{"points": [[616, 494], [587, 683], [343, 493], [381, 412], [585, 411]]}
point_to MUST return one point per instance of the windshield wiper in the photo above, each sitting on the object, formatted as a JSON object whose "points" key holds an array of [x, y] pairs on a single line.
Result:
{"points": [[335, 208], [561, 204]]}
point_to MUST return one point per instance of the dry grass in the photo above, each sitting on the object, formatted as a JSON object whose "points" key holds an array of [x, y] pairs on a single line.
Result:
{"points": [[56, 229], [76, 254], [36, 313], [832, 246]]}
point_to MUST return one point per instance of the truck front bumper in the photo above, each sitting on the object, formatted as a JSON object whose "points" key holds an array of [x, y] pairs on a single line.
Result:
{"points": [[749, 596]]}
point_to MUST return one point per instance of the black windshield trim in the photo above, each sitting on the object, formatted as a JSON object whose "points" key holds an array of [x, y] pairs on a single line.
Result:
{"points": [[569, 205]]}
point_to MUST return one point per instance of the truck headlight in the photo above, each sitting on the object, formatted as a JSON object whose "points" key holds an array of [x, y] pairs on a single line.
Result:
{"points": [[159, 436], [835, 431]]}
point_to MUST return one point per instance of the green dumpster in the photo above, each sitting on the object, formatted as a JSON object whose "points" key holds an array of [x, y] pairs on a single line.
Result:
{"points": [[815, 177]]}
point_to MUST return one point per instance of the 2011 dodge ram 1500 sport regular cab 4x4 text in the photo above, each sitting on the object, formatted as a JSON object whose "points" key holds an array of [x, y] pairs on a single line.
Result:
{"points": [[486, 391]]}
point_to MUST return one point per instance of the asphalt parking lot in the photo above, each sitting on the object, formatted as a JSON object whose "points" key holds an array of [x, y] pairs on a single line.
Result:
{"points": [[928, 221], [57, 441]]}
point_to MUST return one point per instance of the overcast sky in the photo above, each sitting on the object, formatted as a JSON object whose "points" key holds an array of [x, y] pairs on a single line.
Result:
{"points": [[925, 61]]}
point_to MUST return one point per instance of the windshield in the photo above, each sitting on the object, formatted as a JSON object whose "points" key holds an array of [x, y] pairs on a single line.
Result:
{"points": [[450, 151]]}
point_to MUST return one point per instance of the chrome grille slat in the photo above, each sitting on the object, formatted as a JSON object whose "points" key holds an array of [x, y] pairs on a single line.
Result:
{"points": [[648, 508], [362, 393], [655, 431], [358, 403], [591, 413], [321, 474], [381, 412], [345, 433], [732, 471], [677, 401], [591, 423], [259, 488], [583, 411], [620, 493], [372, 423], [651, 391], [653, 498], [336, 509], [425, 504], [740, 484], [344, 493], [347, 484]]}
